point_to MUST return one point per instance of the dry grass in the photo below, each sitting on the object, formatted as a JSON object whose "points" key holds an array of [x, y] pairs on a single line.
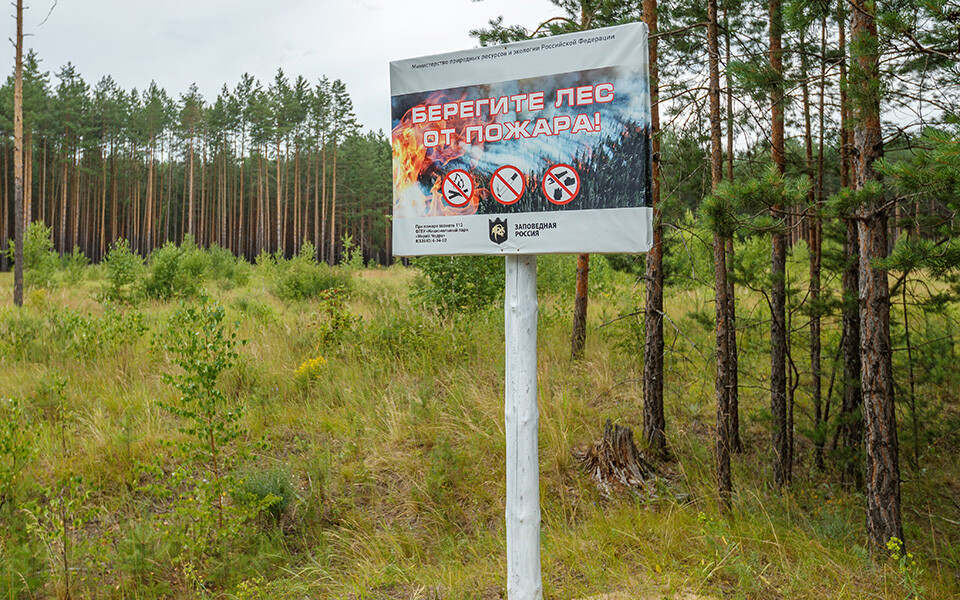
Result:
{"points": [[396, 453]]}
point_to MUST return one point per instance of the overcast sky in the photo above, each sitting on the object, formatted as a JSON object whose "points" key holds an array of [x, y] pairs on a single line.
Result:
{"points": [[213, 42]]}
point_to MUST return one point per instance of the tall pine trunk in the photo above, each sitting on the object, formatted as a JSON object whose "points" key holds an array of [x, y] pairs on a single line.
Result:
{"points": [[279, 247], [813, 243], [723, 380], [654, 421], [4, 243], [63, 206], [880, 423], [18, 162], [331, 257], [27, 174], [190, 207], [782, 468], [579, 335]]}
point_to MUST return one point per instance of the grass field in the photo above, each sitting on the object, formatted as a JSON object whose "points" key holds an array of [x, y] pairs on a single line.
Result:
{"points": [[368, 460]]}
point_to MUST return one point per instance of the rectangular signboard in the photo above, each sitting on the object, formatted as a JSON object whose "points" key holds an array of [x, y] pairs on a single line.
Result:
{"points": [[534, 147]]}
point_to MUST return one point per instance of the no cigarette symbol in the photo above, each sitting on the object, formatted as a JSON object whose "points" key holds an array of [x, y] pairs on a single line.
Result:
{"points": [[457, 188], [507, 184], [561, 184]]}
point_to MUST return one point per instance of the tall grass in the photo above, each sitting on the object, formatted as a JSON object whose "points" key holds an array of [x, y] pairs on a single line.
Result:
{"points": [[389, 456]]}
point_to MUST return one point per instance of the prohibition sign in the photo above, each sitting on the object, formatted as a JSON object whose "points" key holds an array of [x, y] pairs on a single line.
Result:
{"points": [[561, 184], [507, 184], [457, 188]]}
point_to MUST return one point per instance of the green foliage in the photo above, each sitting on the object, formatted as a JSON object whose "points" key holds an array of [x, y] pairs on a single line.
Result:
{"points": [[123, 270], [21, 335], [556, 274], [334, 319], [74, 265], [907, 568], [301, 277], [174, 272], [847, 201], [16, 448], [459, 283], [203, 347], [688, 254], [40, 262], [255, 308], [931, 175], [352, 258], [91, 337], [272, 489], [55, 519], [744, 204], [142, 552], [226, 269]]}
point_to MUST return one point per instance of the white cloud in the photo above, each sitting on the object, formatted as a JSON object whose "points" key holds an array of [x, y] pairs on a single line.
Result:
{"points": [[213, 42]]}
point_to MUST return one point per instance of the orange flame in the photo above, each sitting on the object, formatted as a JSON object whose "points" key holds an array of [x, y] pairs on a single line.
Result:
{"points": [[412, 160]]}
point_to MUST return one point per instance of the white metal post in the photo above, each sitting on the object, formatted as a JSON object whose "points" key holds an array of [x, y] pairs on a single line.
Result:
{"points": [[520, 417]]}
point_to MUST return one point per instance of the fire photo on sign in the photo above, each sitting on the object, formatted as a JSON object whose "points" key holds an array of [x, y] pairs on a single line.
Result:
{"points": [[570, 141]]}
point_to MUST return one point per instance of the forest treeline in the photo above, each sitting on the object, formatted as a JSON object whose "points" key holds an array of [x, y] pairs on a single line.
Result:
{"points": [[262, 167]]}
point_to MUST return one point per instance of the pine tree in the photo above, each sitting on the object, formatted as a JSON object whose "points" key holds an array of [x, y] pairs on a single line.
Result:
{"points": [[880, 424], [343, 124], [782, 464], [654, 422], [18, 162]]}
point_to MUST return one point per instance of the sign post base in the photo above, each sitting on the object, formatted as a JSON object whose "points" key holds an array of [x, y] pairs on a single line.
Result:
{"points": [[521, 421]]}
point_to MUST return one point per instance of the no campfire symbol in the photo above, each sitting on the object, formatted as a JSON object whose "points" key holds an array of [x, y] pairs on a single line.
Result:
{"points": [[561, 184], [507, 184], [457, 188]]}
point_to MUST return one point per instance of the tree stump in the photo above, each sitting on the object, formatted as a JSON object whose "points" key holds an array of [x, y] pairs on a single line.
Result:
{"points": [[614, 462]]}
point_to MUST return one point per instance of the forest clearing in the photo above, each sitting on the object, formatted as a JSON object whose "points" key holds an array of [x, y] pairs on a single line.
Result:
{"points": [[362, 437], [218, 380]]}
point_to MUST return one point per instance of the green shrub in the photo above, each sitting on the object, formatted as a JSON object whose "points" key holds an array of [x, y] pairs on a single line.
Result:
{"points": [[272, 489], [352, 257], [301, 277], [163, 278], [254, 308], [176, 271], [557, 274], [16, 447], [123, 270], [458, 283], [334, 319], [89, 337], [202, 346], [40, 262], [180, 271], [226, 269], [194, 265], [21, 335], [74, 265]]}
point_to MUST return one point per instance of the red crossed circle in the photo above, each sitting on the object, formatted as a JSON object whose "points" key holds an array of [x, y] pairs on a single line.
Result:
{"points": [[502, 174], [553, 175], [452, 189]]}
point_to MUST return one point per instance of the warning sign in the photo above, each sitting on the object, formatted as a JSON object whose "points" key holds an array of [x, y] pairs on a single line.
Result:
{"points": [[561, 184], [457, 188], [507, 184], [475, 133]]}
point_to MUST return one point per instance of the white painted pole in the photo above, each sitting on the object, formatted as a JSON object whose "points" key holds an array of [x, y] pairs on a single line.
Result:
{"points": [[520, 417]]}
